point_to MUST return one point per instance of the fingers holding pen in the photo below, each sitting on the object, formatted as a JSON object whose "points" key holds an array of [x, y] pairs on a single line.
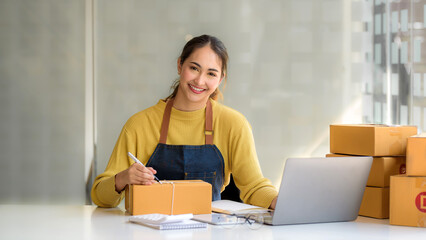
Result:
{"points": [[147, 174], [152, 170], [144, 175], [135, 174]]}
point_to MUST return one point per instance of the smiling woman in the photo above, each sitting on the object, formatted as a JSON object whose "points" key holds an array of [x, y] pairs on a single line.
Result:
{"points": [[200, 76], [188, 135], [210, 51]]}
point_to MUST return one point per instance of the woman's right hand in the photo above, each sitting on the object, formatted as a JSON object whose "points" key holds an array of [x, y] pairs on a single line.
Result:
{"points": [[135, 174]]}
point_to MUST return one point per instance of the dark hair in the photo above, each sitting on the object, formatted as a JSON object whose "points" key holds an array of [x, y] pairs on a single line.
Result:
{"points": [[198, 42]]}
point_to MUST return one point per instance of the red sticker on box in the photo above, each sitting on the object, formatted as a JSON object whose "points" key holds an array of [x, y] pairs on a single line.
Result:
{"points": [[402, 169], [421, 202]]}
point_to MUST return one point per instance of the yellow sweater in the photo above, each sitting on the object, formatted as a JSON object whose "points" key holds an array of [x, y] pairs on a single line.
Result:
{"points": [[232, 136]]}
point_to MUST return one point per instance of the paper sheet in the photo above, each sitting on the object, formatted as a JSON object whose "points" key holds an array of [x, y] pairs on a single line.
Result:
{"points": [[229, 207]]}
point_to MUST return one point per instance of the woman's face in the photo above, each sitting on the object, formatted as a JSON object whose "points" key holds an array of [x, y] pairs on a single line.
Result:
{"points": [[200, 75]]}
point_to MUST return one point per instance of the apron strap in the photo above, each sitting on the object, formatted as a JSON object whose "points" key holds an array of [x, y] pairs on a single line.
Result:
{"points": [[166, 120], [208, 124]]}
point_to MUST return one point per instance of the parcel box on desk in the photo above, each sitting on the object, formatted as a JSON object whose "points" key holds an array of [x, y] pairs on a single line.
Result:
{"points": [[370, 139], [375, 203], [171, 197], [416, 156], [381, 169], [408, 201]]}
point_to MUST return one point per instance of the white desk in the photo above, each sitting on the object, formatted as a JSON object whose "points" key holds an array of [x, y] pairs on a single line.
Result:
{"points": [[90, 222]]}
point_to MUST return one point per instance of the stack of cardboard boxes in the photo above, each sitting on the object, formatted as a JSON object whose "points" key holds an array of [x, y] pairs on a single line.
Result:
{"points": [[408, 192], [387, 145]]}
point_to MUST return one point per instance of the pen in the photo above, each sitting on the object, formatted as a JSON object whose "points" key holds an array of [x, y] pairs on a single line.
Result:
{"points": [[137, 160]]}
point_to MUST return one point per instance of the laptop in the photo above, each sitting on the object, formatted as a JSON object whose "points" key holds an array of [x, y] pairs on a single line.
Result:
{"points": [[318, 190]]}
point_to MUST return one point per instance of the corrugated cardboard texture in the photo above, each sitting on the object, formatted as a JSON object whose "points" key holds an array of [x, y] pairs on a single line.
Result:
{"points": [[381, 169], [370, 140], [375, 203], [408, 201], [416, 156], [190, 196]]}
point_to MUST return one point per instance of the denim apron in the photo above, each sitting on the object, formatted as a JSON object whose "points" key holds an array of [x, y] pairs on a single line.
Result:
{"points": [[189, 162]]}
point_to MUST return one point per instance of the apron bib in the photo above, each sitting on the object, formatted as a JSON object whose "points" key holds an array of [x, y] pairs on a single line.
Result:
{"points": [[189, 162]]}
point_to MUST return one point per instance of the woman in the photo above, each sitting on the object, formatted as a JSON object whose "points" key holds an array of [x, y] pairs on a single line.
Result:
{"points": [[188, 136]]}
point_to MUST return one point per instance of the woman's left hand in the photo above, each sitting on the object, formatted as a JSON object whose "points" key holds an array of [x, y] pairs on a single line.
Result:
{"points": [[273, 203]]}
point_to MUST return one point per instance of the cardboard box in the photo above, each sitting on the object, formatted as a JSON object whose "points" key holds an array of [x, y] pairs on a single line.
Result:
{"points": [[408, 201], [370, 139], [375, 203], [381, 169], [416, 156], [186, 196]]}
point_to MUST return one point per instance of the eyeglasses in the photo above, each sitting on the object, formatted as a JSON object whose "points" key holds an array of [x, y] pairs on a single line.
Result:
{"points": [[253, 220]]}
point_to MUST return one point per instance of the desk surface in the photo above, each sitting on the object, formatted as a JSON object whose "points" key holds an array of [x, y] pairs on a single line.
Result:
{"points": [[90, 222]]}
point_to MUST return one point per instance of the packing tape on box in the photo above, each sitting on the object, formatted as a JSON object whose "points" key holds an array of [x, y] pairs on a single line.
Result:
{"points": [[399, 143], [421, 182], [173, 193], [421, 222]]}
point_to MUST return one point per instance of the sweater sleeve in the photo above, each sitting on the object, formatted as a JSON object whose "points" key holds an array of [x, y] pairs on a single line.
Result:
{"points": [[254, 188], [103, 190]]}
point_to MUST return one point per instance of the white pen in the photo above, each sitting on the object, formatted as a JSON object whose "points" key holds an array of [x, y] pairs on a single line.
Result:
{"points": [[137, 160]]}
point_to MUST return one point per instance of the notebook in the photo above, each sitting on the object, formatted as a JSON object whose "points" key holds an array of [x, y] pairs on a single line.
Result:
{"points": [[167, 222], [232, 207], [185, 224], [317, 190], [313, 190]]}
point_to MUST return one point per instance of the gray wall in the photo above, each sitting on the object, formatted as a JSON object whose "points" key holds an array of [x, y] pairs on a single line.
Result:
{"points": [[42, 101]]}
